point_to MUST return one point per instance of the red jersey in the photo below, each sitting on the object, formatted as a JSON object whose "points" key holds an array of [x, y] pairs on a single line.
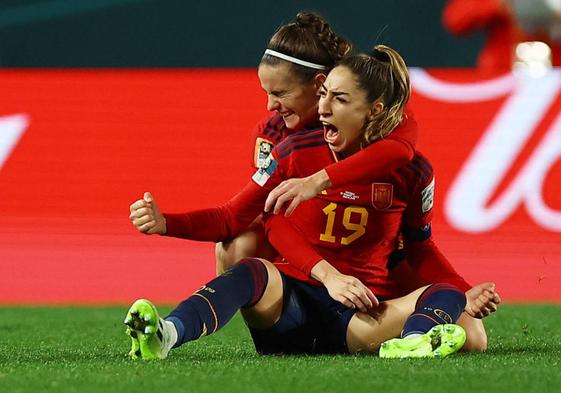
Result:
{"points": [[355, 227]]}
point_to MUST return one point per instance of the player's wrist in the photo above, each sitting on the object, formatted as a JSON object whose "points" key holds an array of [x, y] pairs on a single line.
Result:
{"points": [[161, 225], [321, 180], [322, 271]]}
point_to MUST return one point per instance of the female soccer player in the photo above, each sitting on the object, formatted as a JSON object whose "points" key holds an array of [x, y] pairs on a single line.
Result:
{"points": [[352, 229], [295, 64], [298, 56]]}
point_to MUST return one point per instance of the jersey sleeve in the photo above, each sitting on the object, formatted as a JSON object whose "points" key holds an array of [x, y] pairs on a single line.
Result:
{"points": [[272, 172], [466, 16], [287, 239], [219, 223], [422, 253], [377, 159], [266, 134]]}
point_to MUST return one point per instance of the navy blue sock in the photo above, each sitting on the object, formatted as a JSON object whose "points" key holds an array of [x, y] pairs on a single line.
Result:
{"points": [[438, 304], [212, 306]]}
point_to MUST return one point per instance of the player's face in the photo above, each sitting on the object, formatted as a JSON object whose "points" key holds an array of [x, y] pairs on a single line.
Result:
{"points": [[297, 103], [344, 111]]}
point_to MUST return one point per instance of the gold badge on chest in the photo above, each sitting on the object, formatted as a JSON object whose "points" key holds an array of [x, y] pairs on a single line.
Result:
{"points": [[382, 195]]}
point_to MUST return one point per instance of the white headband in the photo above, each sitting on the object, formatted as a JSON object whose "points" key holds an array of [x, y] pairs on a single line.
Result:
{"points": [[294, 60]]}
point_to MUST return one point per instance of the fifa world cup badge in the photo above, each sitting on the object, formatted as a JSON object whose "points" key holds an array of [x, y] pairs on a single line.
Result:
{"points": [[263, 148], [266, 171]]}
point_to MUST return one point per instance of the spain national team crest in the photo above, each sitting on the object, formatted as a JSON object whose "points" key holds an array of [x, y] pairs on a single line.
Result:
{"points": [[382, 195]]}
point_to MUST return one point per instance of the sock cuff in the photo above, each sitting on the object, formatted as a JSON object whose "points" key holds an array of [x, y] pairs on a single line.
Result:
{"points": [[260, 278], [179, 327], [436, 288]]}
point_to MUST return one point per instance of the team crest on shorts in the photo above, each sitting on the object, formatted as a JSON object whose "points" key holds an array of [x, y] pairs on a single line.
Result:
{"points": [[263, 148], [382, 195]]}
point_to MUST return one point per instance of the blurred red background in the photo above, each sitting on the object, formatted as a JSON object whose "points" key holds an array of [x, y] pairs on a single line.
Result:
{"points": [[78, 147]]}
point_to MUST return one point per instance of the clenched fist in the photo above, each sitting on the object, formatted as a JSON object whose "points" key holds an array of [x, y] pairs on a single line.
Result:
{"points": [[146, 217]]}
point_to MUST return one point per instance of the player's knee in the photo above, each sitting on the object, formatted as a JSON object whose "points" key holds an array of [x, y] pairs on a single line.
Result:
{"points": [[248, 244], [259, 276], [229, 253], [253, 263], [266, 306], [225, 257]]}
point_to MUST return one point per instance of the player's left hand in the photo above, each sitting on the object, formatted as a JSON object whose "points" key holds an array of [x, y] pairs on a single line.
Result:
{"points": [[297, 190], [482, 300]]}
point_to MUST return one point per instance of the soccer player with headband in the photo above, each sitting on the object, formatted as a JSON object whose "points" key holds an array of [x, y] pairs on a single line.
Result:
{"points": [[297, 59]]}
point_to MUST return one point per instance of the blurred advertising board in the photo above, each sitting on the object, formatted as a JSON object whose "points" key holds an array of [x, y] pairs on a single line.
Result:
{"points": [[77, 147]]}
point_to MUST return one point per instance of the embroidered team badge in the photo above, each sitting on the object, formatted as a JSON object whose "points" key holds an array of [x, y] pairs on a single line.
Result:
{"points": [[427, 197], [263, 148], [266, 171], [382, 195]]}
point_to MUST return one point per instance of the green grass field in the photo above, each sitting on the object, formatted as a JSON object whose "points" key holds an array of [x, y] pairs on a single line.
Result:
{"points": [[83, 350]]}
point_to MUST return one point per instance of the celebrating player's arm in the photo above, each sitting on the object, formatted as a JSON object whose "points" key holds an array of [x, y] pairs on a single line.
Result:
{"points": [[375, 160], [211, 224]]}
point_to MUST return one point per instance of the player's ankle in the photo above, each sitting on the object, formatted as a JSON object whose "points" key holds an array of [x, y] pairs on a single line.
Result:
{"points": [[170, 332]]}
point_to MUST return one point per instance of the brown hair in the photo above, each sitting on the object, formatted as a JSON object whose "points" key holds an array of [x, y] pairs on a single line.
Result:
{"points": [[311, 39], [383, 75]]}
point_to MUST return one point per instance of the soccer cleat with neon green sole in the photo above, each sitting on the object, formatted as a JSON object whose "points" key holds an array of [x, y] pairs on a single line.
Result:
{"points": [[146, 330], [134, 353], [439, 342]]}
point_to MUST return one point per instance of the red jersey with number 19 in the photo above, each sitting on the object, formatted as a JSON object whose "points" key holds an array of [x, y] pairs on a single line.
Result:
{"points": [[354, 227]]}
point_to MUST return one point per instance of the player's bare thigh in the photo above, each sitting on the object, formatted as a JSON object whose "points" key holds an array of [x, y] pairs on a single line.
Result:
{"points": [[250, 243], [268, 309], [367, 332]]}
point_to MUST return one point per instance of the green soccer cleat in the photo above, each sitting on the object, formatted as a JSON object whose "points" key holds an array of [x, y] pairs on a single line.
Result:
{"points": [[147, 332], [134, 353], [439, 342]]}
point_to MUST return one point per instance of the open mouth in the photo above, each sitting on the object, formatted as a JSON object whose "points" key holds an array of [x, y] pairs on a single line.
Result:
{"points": [[330, 133]]}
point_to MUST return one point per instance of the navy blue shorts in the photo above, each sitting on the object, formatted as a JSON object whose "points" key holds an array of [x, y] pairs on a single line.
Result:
{"points": [[311, 322]]}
